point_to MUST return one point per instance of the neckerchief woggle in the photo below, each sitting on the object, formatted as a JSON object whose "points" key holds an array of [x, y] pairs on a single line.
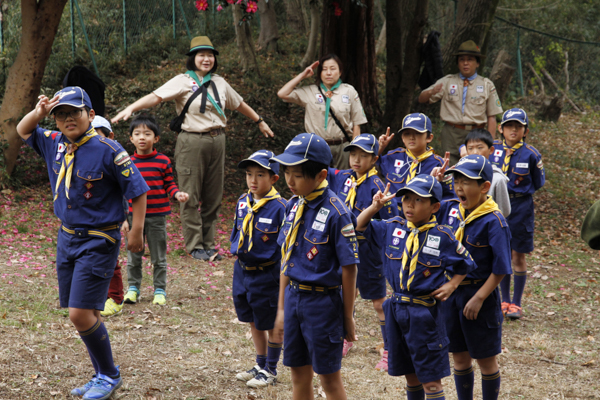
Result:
{"points": [[66, 168], [487, 207], [328, 98], [509, 152], [412, 172], [249, 217], [202, 85], [412, 248], [290, 239], [351, 197]]}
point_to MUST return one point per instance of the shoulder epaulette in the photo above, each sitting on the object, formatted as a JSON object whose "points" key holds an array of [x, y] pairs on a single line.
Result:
{"points": [[109, 143], [446, 230], [338, 205], [396, 219], [533, 150], [501, 218], [242, 196], [282, 201], [398, 150], [497, 141]]}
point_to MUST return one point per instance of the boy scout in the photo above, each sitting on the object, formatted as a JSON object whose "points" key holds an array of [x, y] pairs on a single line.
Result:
{"points": [[469, 100]]}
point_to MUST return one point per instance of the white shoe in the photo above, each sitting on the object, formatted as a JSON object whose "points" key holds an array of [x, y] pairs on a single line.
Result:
{"points": [[263, 379], [246, 376]]}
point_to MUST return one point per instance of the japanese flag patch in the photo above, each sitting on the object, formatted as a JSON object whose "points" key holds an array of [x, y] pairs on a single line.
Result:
{"points": [[398, 163], [497, 153], [399, 233], [454, 212], [242, 205]]}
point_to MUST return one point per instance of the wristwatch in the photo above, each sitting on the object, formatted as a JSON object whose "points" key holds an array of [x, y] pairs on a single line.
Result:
{"points": [[260, 119]]}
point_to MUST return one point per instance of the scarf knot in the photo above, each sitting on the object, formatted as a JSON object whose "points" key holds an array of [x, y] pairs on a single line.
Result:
{"points": [[203, 87], [351, 197], [68, 162], [328, 96], [412, 172], [247, 224], [487, 207], [411, 251], [509, 152]]}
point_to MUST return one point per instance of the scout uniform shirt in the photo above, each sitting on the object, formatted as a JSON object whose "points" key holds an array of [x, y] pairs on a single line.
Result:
{"points": [[345, 104], [481, 100], [265, 229], [100, 166], [325, 242], [486, 238], [525, 171], [439, 252], [181, 87]]}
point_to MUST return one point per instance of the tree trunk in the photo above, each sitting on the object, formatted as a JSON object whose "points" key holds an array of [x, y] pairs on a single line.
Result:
{"points": [[551, 109], [502, 73], [311, 49], [351, 36], [40, 22], [269, 34], [403, 58], [380, 47], [295, 16], [473, 22], [243, 38]]}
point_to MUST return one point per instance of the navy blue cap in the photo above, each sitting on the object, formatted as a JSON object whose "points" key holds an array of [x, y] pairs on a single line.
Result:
{"points": [[417, 121], [262, 158], [305, 147], [515, 114], [423, 185], [474, 166], [73, 96], [366, 142]]}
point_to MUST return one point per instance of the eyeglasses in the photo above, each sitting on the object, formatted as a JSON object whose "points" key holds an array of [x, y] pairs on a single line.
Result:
{"points": [[62, 115]]}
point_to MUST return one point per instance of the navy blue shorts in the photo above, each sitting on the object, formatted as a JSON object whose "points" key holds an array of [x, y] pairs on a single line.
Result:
{"points": [[370, 279], [417, 341], [84, 266], [314, 330], [482, 337], [521, 222], [255, 295]]}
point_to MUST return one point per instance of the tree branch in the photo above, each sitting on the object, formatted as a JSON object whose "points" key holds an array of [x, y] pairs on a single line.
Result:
{"points": [[547, 75]]}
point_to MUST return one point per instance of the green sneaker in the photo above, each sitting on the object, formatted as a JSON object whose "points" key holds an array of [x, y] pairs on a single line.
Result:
{"points": [[160, 297], [111, 308], [132, 295]]}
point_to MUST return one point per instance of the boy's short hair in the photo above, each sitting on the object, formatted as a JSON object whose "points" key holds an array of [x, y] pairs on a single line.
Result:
{"points": [[105, 132], [310, 169], [480, 135], [145, 120]]}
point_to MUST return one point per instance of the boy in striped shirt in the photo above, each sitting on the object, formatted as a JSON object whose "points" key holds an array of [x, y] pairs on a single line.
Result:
{"points": [[156, 170]]}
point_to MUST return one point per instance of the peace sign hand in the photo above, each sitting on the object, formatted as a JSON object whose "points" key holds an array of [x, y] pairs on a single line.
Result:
{"points": [[384, 140], [380, 199], [440, 172]]}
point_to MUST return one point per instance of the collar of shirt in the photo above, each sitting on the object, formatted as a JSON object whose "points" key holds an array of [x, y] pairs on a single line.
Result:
{"points": [[316, 202], [471, 78], [153, 154]]}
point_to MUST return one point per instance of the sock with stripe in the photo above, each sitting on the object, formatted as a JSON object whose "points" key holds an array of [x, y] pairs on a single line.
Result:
{"points": [[98, 344], [383, 334], [464, 381], [415, 392], [490, 386], [273, 354], [437, 395], [505, 288], [520, 279], [261, 360]]}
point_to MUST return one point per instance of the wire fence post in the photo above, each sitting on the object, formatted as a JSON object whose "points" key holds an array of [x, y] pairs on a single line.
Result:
{"points": [[519, 65], [173, 19], [1, 32], [187, 28], [72, 30], [86, 37], [125, 26], [214, 18]]}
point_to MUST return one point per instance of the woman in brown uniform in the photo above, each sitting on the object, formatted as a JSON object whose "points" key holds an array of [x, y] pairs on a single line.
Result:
{"points": [[200, 148], [333, 108]]}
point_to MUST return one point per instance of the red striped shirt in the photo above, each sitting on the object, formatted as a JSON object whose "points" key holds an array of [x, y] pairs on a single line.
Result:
{"points": [[158, 173]]}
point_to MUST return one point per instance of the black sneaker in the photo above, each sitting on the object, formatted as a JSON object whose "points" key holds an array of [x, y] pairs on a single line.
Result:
{"points": [[212, 253], [200, 254]]}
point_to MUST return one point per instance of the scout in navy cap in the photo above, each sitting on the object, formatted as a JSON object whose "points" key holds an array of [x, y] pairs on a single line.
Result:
{"points": [[258, 217], [475, 167], [89, 176], [419, 254], [319, 252], [522, 164], [416, 121]]}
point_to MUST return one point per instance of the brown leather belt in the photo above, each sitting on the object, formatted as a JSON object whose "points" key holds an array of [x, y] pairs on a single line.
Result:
{"points": [[334, 142], [466, 127], [213, 133]]}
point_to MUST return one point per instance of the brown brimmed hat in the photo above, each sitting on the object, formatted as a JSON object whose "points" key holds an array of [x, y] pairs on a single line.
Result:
{"points": [[201, 43], [469, 48]]}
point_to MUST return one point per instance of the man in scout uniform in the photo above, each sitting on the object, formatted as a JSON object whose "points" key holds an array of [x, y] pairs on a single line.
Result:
{"points": [[469, 100]]}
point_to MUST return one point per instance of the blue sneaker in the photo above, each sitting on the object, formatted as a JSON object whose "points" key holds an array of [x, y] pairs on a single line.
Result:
{"points": [[80, 391], [103, 387]]}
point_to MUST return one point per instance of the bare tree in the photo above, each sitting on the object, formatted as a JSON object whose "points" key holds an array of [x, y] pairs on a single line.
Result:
{"points": [[40, 20], [295, 16], [269, 34], [244, 42], [311, 49]]}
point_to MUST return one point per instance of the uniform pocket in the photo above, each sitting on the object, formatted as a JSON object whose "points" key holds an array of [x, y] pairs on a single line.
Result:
{"points": [[476, 241], [438, 345], [316, 237], [90, 176], [266, 227]]}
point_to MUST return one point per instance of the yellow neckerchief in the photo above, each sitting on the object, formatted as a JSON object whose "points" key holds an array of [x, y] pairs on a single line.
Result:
{"points": [[290, 239], [487, 207], [249, 218], [509, 153], [412, 243], [66, 168], [412, 172], [351, 198]]}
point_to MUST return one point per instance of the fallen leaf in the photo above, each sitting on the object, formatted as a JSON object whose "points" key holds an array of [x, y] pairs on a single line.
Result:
{"points": [[591, 339], [550, 295], [551, 313], [219, 273], [589, 363]]}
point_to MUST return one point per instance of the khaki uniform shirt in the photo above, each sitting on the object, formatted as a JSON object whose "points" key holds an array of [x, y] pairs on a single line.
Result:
{"points": [[345, 104], [181, 87], [481, 100]]}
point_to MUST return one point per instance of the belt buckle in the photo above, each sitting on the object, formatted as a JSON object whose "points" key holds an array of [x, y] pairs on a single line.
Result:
{"points": [[214, 133], [81, 232], [469, 127]]}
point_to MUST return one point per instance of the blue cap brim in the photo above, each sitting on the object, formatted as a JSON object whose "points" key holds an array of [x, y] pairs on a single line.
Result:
{"points": [[289, 159], [366, 150], [465, 173], [67, 103], [247, 161], [512, 119], [414, 129], [405, 189]]}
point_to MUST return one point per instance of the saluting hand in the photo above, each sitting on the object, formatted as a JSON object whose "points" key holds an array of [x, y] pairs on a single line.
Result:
{"points": [[384, 140], [44, 105], [310, 70], [440, 172]]}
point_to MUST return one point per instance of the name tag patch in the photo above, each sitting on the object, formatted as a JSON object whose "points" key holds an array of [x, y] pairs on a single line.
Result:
{"points": [[318, 226], [522, 165], [399, 233], [345, 99], [265, 220], [322, 215], [433, 242], [430, 251], [479, 89]]}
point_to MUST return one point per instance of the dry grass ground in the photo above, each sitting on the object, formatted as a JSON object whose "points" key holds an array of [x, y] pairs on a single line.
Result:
{"points": [[193, 347]]}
